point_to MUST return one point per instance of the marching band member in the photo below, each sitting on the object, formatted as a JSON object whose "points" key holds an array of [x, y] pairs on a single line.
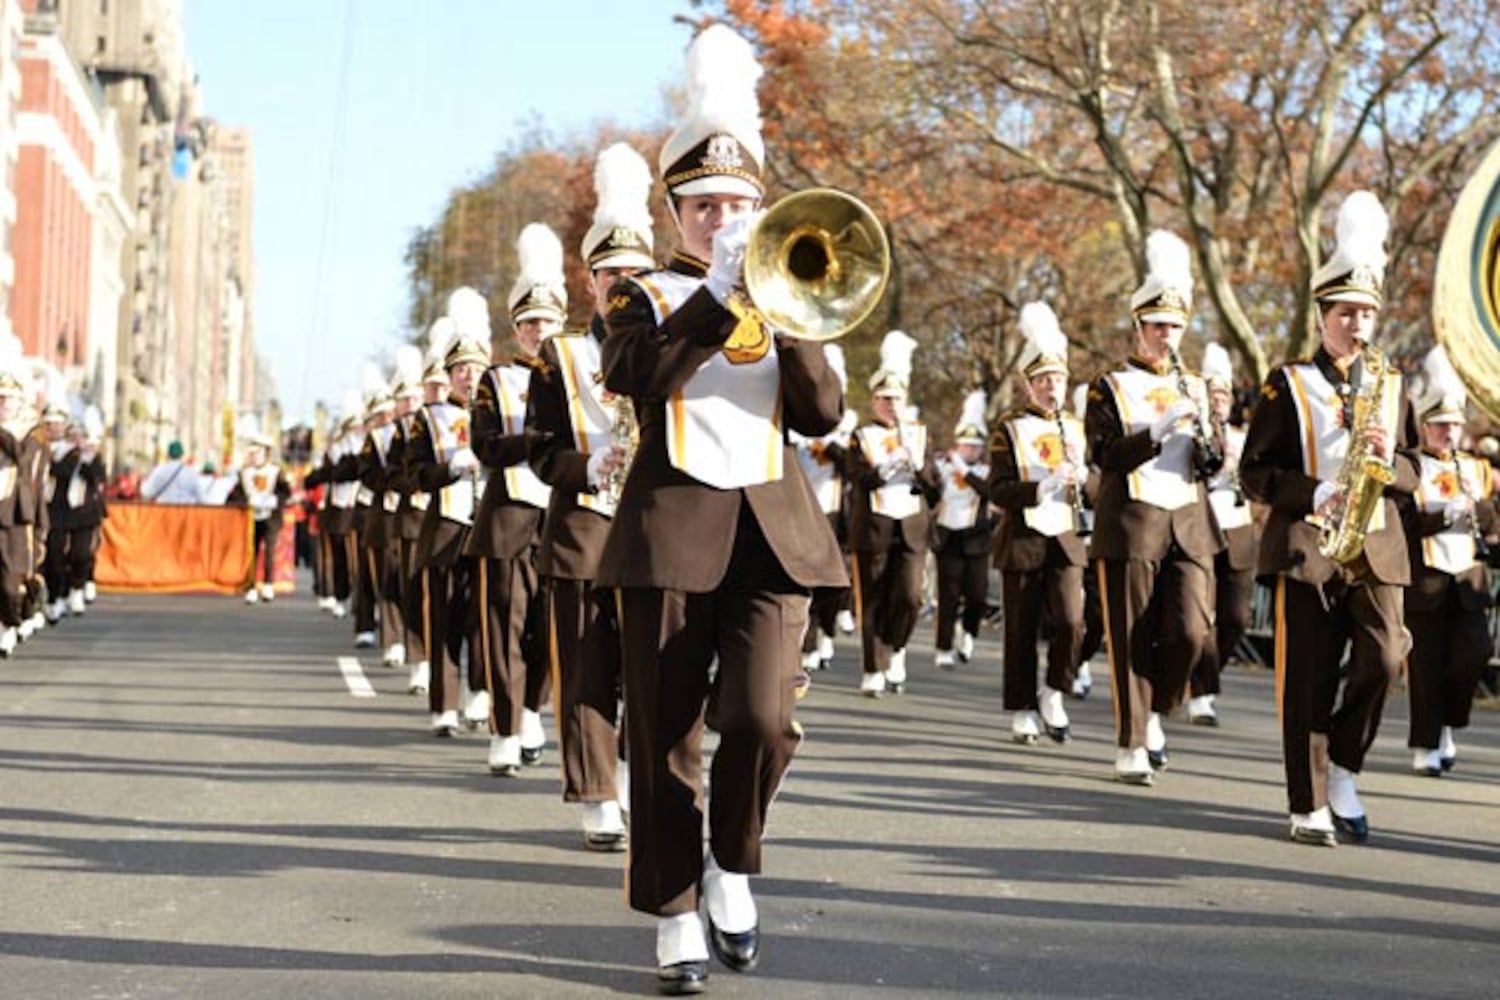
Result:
{"points": [[340, 471], [823, 460], [262, 486], [1294, 456], [717, 539], [20, 500], [963, 534], [1093, 612], [572, 419], [376, 539], [1234, 567], [379, 410], [1154, 537], [443, 464], [403, 524], [511, 606], [1447, 603], [64, 459], [1037, 476], [895, 483]]}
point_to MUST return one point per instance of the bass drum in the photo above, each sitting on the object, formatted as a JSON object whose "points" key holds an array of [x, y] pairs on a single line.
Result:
{"points": [[1466, 291]]}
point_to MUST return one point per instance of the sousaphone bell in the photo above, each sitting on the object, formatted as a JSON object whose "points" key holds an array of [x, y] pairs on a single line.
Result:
{"points": [[817, 264], [1466, 289]]}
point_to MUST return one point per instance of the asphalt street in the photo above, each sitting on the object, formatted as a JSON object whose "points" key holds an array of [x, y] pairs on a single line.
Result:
{"points": [[194, 803]]}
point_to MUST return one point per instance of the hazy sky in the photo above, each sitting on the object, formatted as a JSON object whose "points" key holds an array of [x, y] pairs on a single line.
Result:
{"points": [[433, 89]]}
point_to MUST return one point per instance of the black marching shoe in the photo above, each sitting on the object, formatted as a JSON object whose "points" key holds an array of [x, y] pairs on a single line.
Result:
{"points": [[531, 756], [739, 952], [1355, 829], [1158, 759], [682, 978]]}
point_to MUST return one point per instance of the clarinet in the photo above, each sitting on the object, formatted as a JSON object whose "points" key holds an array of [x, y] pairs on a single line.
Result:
{"points": [[1482, 551], [1208, 457], [1221, 438], [1062, 437]]}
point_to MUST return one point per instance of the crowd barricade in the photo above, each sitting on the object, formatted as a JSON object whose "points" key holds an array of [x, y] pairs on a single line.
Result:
{"points": [[159, 548]]}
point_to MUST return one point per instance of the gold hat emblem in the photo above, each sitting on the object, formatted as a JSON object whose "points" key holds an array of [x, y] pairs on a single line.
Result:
{"points": [[722, 153], [1171, 298], [1364, 276]]}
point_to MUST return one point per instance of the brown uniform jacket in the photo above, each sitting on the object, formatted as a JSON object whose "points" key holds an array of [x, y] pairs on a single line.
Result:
{"points": [[1429, 587], [872, 532], [399, 477], [671, 531], [1018, 548], [59, 514], [375, 476], [1271, 471], [572, 536], [440, 540], [504, 528], [1132, 529], [21, 504]]}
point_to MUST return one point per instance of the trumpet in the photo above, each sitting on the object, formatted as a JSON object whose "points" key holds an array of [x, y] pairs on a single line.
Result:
{"points": [[817, 264], [1208, 457], [1481, 547]]}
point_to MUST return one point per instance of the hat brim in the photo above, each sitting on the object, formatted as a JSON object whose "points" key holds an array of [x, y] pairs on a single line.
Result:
{"points": [[1445, 417], [623, 259], [537, 312], [1169, 316], [1354, 295], [717, 184]]}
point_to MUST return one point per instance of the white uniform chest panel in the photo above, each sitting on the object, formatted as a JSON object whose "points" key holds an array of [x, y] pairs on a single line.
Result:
{"points": [[822, 473], [1320, 423], [591, 412], [512, 387], [1441, 482], [724, 424], [448, 426], [961, 504], [897, 498], [1141, 397], [1230, 507], [1040, 448]]}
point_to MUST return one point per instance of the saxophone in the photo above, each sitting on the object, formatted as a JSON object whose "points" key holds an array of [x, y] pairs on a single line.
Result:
{"points": [[1363, 476], [625, 434]]}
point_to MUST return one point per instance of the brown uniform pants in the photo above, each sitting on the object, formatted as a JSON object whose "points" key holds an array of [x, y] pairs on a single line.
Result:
{"points": [[887, 601], [387, 589], [1310, 639], [511, 611], [1057, 589], [15, 567], [753, 623], [413, 583], [1156, 623], [1450, 648], [1233, 590], [961, 577], [450, 623], [585, 654]]}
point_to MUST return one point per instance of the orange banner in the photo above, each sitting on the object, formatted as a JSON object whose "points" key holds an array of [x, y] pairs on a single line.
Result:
{"points": [[150, 548]]}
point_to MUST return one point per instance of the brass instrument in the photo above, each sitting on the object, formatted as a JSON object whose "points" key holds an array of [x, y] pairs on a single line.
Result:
{"points": [[1466, 287], [1363, 476], [1481, 547], [817, 264], [624, 434], [1208, 457], [1221, 436]]}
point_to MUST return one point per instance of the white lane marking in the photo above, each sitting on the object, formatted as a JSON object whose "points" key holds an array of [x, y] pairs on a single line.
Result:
{"points": [[354, 677]]}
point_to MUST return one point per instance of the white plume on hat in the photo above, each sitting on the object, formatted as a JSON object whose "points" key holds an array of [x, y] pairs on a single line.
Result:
{"points": [[1080, 400], [835, 355], [439, 336], [894, 372], [722, 73], [622, 185], [470, 313], [406, 378], [541, 288], [93, 424], [377, 394], [13, 373], [971, 427], [1046, 347], [1355, 271], [1443, 393], [1217, 368], [1166, 296]]}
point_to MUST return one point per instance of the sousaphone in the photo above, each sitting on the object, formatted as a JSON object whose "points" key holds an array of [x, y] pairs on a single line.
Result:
{"points": [[1466, 290]]}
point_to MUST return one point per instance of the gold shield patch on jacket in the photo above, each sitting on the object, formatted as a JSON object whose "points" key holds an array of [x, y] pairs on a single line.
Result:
{"points": [[751, 338]]}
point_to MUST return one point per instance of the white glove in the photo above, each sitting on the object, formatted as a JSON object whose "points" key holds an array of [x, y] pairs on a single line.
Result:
{"points": [[1176, 413], [728, 265], [463, 462], [895, 464], [1323, 494], [601, 464], [1056, 485]]}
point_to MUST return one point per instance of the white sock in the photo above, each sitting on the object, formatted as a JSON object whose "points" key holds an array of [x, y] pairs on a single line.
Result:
{"points": [[727, 896], [680, 939], [1446, 744], [1343, 797], [1156, 737]]}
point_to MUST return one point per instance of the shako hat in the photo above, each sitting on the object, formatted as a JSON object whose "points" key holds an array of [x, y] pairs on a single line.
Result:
{"points": [[1356, 270], [1046, 348], [1443, 398], [1166, 296], [541, 289], [717, 149], [470, 314], [893, 377], [621, 235], [971, 428]]}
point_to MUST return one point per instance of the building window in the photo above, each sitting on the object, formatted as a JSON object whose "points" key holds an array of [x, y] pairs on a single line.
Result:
{"points": [[100, 44]]}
